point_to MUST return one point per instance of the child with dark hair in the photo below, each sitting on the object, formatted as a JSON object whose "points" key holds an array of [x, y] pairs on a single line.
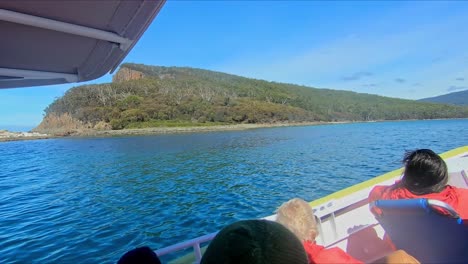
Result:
{"points": [[425, 172], [425, 176]]}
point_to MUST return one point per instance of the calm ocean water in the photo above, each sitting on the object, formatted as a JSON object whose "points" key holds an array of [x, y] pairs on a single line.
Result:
{"points": [[89, 200]]}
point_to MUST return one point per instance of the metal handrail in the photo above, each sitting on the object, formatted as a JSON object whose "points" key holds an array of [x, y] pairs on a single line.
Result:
{"points": [[74, 29], [439, 204], [194, 243], [334, 243]]}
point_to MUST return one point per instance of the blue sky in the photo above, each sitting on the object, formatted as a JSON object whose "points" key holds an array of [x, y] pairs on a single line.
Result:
{"points": [[400, 49]]}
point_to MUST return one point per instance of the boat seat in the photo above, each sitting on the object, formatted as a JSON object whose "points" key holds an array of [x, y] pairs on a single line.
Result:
{"points": [[427, 229]]}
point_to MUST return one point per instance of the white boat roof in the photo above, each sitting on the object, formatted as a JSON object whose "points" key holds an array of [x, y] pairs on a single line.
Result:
{"points": [[53, 42]]}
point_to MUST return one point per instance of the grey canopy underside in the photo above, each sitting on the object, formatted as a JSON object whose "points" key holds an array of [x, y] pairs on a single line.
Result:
{"points": [[53, 42]]}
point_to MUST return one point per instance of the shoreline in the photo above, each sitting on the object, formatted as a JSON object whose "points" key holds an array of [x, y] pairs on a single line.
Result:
{"points": [[7, 136], [19, 136], [192, 129]]}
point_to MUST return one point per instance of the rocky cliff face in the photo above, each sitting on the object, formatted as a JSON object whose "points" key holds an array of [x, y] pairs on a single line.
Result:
{"points": [[59, 125], [126, 74]]}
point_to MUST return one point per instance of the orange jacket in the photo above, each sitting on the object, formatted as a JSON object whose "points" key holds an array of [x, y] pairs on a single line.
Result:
{"points": [[319, 254], [453, 196]]}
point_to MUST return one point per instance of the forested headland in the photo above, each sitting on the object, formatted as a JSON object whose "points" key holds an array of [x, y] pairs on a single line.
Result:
{"points": [[142, 96]]}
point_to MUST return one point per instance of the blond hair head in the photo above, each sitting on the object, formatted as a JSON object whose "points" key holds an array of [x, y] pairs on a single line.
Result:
{"points": [[297, 215]]}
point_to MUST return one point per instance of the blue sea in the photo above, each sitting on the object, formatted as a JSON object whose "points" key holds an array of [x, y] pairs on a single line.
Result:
{"points": [[89, 200]]}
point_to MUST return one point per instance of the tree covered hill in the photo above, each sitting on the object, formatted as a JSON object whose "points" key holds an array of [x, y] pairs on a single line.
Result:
{"points": [[145, 96], [456, 98]]}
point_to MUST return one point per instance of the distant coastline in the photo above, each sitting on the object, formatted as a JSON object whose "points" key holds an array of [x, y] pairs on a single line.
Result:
{"points": [[175, 130], [15, 136]]}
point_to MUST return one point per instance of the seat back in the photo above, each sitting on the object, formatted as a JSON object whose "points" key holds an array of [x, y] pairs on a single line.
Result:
{"points": [[429, 230]]}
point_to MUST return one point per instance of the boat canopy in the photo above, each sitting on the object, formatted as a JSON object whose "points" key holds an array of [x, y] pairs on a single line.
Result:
{"points": [[53, 42]]}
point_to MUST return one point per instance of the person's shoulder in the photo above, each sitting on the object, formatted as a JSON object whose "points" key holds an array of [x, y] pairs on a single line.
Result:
{"points": [[458, 190], [379, 188], [312, 248], [377, 192], [335, 255]]}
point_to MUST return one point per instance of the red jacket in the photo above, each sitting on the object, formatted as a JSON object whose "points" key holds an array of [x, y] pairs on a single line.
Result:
{"points": [[453, 196], [319, 254]]}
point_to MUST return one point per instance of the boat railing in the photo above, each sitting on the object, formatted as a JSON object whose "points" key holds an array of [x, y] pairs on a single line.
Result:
{"points": [[328, 211], [193, 243], [339, 240]]}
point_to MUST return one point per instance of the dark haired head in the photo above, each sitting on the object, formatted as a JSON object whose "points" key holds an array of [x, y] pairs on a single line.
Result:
{"points": [[425, 172], [255, 242], [142, 255]]}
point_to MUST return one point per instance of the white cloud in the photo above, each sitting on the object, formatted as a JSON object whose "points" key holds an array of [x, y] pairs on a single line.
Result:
{"points": [[387, 55]]}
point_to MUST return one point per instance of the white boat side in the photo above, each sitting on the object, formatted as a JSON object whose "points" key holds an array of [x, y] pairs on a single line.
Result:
{"points": [[344, 218]]}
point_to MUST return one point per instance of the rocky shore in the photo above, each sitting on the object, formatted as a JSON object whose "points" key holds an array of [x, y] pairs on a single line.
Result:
{"points": [[6, 135], [11, 136], [172, 130]]}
